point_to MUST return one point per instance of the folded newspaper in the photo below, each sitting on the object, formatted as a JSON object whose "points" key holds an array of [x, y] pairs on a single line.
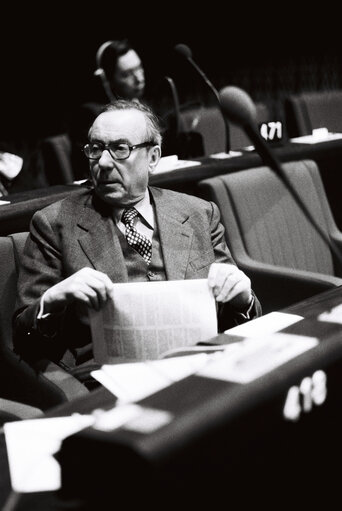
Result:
{"points": [[143, 320]]}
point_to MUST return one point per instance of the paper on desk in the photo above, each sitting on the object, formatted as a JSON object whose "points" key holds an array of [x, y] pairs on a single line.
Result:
{"points": [[264, 325], [318, 135], [167, 163], [253, 357], [334, 315], [31, 445], [223, 155], [145, 319], [134, 381]]}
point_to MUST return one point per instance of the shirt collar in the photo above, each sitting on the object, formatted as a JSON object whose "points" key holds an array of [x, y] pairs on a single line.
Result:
{"points": [[144, 208]]}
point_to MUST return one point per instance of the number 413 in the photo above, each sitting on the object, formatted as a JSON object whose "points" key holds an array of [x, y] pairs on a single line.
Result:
{"points": [[311, 391]]}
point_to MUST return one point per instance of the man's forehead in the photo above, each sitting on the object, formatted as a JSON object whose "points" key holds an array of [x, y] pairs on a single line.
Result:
{"points": [[129, 60], [119, 123]]}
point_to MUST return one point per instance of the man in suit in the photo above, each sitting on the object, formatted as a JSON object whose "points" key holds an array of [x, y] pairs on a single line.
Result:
{"points": [[77, 249]]}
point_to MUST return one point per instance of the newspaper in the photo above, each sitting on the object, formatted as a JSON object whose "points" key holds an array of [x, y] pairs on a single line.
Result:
{"points": [[145, 319]]}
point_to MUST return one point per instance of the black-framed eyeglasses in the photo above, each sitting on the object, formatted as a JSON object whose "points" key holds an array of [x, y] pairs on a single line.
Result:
{"points": [[118, 151]]}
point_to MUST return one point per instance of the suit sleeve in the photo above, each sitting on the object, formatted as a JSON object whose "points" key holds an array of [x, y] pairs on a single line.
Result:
{"points": [[228, 317], [41, 267]]}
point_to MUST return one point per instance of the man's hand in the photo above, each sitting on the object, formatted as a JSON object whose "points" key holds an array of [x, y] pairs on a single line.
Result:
{"points": [[228, 283], [86, 286]]}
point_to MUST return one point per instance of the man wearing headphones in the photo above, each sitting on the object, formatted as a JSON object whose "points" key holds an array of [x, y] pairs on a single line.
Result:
{"points": [[122, 76]]}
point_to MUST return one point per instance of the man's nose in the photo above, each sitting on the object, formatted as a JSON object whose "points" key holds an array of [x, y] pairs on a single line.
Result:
{"points": [[106, 160], [139, 75]]}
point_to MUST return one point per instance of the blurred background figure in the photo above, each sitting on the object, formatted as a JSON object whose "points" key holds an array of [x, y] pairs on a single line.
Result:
{"points": [[21, 166], [121, 75], [121, 70]]}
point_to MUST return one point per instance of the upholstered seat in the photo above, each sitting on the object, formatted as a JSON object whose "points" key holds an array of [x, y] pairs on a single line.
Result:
{"points": [[312, 110], [50, 385], [56, 153], [270, 238]]}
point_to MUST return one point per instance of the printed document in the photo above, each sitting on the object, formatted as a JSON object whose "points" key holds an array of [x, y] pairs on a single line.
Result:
{"points": [[145, 319]]}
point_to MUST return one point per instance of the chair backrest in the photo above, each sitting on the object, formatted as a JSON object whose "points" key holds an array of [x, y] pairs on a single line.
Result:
{"points": [[209, 122], [46, 384], [56, 153], [238, 137], [312, 110], [11, 248], [263, 221]]}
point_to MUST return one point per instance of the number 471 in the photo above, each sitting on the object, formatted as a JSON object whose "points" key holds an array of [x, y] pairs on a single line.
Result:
{"points": [[311, 391]]}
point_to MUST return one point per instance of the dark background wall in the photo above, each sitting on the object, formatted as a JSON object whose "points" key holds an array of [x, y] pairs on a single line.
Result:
{"points": [[47, 53]]}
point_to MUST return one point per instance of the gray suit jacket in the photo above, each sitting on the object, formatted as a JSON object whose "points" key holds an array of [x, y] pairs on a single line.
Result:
{"points": [[79, 231]]}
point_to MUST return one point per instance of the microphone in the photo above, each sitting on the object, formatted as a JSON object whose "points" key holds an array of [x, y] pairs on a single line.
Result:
{"points": [[175, 99], [100, 72], [184, 51], [239, 108]]}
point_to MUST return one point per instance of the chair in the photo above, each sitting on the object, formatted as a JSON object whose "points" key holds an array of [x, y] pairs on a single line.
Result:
{"points": [[208, 121], [56, 154], [264, 113], [18, 380], [311, 110], [270, 238], [13, 411]]}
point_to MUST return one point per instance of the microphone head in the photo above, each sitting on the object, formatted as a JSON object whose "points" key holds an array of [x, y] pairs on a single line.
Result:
{"points": [[183, 50], [237, 105]]}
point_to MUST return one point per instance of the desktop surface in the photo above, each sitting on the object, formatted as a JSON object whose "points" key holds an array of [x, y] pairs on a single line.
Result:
{"points": [[224, 437]]}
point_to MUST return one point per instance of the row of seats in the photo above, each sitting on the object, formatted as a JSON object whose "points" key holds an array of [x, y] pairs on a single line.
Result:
{"points": [[300, 115], [269, 238]]}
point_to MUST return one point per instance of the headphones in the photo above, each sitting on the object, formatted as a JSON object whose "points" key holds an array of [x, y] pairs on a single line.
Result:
{"points": [[100, 72]]}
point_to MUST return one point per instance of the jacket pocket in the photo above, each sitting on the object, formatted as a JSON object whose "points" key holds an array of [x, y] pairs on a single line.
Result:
{"points": [[202, 261]]}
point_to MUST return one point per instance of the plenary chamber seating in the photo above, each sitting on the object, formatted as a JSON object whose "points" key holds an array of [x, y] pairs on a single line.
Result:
{"points": [[270, 238], [43, 388], [209, 123], [56, 154], [313, 110]]}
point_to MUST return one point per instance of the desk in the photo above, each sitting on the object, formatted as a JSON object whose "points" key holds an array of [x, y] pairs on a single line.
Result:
{"points": [[227, 440], [328, 155], [16, 216]]}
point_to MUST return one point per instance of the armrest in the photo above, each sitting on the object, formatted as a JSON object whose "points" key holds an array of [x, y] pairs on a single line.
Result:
{"points": [[44, 386], [64, 383], [278, 287]]}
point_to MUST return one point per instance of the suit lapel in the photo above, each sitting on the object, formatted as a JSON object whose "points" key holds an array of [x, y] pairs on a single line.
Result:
{"points": [[100, 243], [175, 236]]}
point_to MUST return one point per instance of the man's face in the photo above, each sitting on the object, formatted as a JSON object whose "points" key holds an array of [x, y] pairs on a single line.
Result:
{"points": [[129, 76], [122, 183]]}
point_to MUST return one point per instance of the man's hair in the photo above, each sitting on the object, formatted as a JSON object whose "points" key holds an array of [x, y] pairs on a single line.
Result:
{"points": [[112, 53], [152, 121]]}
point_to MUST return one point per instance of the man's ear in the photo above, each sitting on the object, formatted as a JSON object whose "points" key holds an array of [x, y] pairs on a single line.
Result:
{"points": [[155, 155]]}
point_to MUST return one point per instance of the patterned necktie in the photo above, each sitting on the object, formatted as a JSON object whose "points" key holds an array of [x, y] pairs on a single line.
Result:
{"points": [[138, 241]]}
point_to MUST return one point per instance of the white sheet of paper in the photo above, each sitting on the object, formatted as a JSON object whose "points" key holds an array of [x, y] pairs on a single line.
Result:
{"points": [[253, 357], [334, 315], [31, 445], [264, 325], [223, 155], [172, 162], [133, 381], [146, 319], [316, 137]]}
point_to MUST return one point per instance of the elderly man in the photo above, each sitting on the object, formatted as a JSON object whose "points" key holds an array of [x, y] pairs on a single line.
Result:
{"points": [[120, 230]]}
